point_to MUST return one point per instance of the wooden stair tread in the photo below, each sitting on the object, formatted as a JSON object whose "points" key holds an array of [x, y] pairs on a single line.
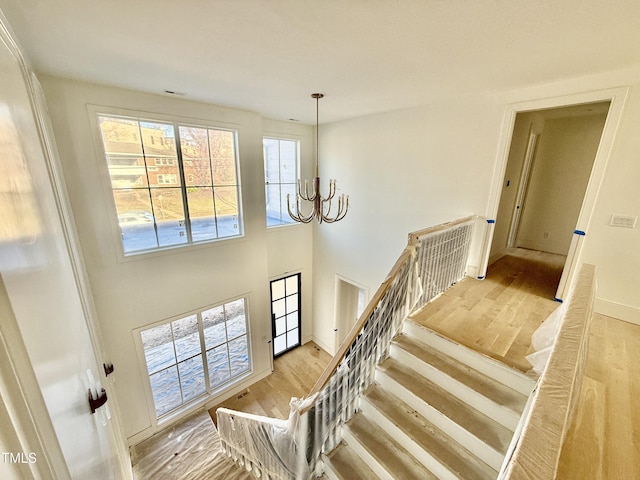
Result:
{"points": [[385, 450], [477, 381], [346, 464], [430, 438], [481, 426]]}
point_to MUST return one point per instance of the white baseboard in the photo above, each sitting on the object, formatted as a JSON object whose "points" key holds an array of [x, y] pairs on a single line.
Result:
{"points": [[617, 310]]}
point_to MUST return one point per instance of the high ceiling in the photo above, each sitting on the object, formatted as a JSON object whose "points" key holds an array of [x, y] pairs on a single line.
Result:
{"points": [[366, 56]]}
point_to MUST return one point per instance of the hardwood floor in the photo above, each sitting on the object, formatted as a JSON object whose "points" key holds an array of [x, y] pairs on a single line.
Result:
{"points": [[294, 375], [497, 317], [604, 440]]}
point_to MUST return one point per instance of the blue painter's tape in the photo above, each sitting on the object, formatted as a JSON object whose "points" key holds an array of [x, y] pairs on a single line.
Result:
{"points": [[579, 232], [491, 221], [559, 300]]}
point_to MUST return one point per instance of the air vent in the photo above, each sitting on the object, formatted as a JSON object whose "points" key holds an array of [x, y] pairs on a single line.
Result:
{"points": [[627, 221]]}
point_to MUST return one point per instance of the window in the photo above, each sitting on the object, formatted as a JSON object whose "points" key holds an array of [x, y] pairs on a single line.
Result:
{"points": [[191, 356], [167, 179], [164, 161], [281, 174], [172, 184]]}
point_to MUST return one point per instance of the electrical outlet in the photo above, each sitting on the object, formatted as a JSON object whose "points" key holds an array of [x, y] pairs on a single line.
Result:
{"points": [[626, 221]]}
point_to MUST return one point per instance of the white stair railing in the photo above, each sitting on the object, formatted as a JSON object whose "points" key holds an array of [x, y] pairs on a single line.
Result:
{"points": [[433, 260]]}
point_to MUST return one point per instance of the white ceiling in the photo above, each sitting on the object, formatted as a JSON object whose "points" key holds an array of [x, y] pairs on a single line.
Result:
{"points": [[366, 56]]}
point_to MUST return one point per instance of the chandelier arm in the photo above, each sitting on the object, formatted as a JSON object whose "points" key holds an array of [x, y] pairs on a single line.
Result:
{"points": [[304, 196], [325, 215], [306, 192], [332, 189], [342, 208], [298, 216], [304, 218], [316, 189]]}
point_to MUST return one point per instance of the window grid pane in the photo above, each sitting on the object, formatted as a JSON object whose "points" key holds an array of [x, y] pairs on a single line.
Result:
{"points": [[149, 161], [285, 306], [281, 174], [175, 353]]}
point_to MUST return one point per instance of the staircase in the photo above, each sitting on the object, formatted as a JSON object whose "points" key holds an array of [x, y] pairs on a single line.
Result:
{"points": [[437, 410]]}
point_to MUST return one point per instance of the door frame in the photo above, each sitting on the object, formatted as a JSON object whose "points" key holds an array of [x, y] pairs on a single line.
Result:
{"points": [[523, 186], [617, 97]]}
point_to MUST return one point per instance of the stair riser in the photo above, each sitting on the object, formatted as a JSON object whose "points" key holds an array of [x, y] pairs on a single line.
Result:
{"points": [[499, 413], [476, 446], [363, 453], [431, 463], [492, 368]]}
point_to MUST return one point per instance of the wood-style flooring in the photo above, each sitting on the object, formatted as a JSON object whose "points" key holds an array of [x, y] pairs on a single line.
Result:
{"points": [[294, 374], [497, 317], [603, 442]]}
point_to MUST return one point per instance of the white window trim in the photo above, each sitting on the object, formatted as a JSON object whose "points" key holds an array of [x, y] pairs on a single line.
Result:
{"points": [[94, 111], [298, 139], [203, 399]]}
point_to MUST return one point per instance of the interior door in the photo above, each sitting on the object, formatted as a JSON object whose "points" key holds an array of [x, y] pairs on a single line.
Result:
{"points": [[42, 288], [285, 313], [350, 303]]}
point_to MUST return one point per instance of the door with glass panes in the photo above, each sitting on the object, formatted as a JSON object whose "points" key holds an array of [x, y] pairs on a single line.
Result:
{"points": [[285, 313]]}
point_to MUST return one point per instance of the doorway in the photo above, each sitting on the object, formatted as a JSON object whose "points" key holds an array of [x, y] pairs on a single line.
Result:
{"points": [[546, 180], [285, 313], [351, 299]]}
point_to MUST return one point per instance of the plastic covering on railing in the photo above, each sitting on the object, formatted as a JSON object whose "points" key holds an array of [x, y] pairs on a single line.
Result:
{"points": [[338, 401], [544, 426], [292, 449], [544, 337], [270, 448], [442, 259]]}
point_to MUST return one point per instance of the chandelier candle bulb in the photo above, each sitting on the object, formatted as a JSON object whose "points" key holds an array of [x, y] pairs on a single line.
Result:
{"points": [[319, 202]]}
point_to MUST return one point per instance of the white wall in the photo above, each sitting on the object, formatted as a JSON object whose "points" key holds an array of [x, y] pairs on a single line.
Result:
{"points": [[414, 168], [404, 171], [614, 250], [141, 290]]}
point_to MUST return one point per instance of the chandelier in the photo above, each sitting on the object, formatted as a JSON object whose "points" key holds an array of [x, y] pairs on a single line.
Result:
{"points": [[321, 205]]}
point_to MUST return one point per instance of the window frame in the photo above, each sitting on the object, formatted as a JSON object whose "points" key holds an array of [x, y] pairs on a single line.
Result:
{"points": [[279, 138], [95, 111], [209, 391]]}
